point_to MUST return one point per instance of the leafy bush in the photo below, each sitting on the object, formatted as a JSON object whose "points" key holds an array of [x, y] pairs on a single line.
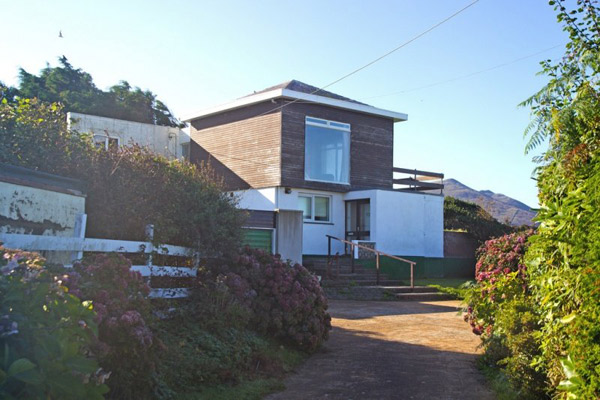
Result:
{"points": [[563, 260], [287, 301], [469, 217], [125, 345], [128, 188], [185, 203], [46, 334], [212, 353], [500, 310]]}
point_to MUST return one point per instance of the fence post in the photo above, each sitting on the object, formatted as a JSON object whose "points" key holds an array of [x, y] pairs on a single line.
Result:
{"points": [[412, 275], [79, 232], [150, 239], [352, 256], [377, 266]]}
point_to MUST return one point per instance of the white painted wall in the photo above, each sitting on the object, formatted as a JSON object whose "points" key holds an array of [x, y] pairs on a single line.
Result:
{"points": [[163, 140], [405, 224], [314, 240], [257, 199], [408, 224], [49, 212]]}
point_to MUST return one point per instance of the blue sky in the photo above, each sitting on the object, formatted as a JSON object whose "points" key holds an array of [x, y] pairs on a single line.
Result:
{"points": [[196, 54]]}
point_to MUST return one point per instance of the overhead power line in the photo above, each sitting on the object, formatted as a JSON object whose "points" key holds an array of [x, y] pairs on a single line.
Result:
{"points": [[464, 76], [380, 57]]}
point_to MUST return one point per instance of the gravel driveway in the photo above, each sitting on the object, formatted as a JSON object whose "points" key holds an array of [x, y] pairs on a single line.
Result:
{"points": [[392, 350]]}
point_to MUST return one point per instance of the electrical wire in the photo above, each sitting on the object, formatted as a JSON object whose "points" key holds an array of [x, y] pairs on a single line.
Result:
{"points": [[464, 76], [378, 58]]}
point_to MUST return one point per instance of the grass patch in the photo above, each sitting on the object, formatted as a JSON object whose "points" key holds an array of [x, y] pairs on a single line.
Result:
{"points": [[247, 390], [218, 357], [453, 286]]}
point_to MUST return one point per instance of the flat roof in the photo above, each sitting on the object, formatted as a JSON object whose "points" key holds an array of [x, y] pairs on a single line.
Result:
{"points": [[295, 95]]}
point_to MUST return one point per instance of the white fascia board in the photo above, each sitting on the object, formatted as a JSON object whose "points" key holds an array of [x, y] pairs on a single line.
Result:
{"points": [[279, 93], [346, 105], [244, 101]]}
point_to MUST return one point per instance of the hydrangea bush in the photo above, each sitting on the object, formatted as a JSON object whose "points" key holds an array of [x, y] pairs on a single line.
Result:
{"points": [[500, 309], [46, 334], [286, 300], [125, 345]]}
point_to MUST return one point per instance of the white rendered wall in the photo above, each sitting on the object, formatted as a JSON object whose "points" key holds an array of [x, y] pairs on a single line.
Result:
{"points": [[405, 224], [257, 199], [165, 140], [408, 224], [49, 212], [314, 240]]}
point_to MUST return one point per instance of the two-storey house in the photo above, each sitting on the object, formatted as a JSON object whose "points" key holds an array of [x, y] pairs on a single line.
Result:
{"points": [[293, 147]]}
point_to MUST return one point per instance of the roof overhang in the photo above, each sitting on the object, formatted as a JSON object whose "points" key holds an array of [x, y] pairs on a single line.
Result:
{"points": [[291, 94]]}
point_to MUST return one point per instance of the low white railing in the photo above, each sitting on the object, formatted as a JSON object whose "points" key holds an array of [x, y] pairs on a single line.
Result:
{"points": [[77, 245]]}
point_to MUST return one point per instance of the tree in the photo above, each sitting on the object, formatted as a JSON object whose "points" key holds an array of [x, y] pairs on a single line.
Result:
{"points": [[75, 89], [127, 188], [563, 261]]}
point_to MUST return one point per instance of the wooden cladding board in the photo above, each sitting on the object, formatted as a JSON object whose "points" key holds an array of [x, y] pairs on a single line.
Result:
{"points": [[244, 145], [262, 146], [260, 219], [371, 148]]}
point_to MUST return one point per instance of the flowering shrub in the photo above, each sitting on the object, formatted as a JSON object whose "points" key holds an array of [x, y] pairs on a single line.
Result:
{"points": [[46, 334], [499, 308], [500, 274], [125, 345], [287, 301]]}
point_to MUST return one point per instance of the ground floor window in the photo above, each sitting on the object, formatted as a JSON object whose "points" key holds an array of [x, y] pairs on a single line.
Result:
{"points": [[315, 208]]}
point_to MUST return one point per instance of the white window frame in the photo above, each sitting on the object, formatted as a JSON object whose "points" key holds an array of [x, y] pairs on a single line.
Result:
{"points": [[312, 196], [99, 138], [335, 125]]}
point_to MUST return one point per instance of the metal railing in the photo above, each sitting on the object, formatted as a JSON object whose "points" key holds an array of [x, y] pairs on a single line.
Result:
{"points": [[377, 255]]}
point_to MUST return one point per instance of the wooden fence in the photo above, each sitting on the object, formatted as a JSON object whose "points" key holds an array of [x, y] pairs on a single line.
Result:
{"points": [[78, 245]]}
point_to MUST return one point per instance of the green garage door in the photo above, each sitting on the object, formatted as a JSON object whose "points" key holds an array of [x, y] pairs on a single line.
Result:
{"points": [[259, 239]]}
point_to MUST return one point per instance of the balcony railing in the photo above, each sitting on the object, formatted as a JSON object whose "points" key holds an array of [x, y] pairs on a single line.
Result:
{"points": [[415, 180]]}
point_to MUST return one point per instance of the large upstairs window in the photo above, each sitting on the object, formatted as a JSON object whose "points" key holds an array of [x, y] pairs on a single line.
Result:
{"points": [[327, 151]]}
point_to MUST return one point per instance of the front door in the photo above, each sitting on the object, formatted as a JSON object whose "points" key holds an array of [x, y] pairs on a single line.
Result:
{"points": [[358, 219]]}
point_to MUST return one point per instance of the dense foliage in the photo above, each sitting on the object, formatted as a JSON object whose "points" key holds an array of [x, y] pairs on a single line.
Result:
{"points": [[287, 301], [499, 309], [127, 188], [471, 218], [46, 334], [76, 90], [547, 334], [125, 344], [564, 257]]}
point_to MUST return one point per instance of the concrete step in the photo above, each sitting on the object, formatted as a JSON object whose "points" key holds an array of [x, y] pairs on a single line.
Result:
{"points": [[408, 289], [432, 296], [367, 283]]}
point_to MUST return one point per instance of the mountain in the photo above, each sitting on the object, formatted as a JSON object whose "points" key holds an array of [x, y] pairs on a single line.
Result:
{"points": [[501, 207]]}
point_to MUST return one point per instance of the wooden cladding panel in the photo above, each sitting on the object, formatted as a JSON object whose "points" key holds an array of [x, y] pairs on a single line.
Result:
{"points": [[371, 148], [245, 143], [260, 219]]}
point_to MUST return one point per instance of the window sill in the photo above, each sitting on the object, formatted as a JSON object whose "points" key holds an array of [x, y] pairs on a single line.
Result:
{"points": [[329, 182], [318, 223]]}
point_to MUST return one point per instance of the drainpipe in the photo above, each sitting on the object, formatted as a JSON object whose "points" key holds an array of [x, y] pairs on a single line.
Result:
{"points": [[276, 208]]}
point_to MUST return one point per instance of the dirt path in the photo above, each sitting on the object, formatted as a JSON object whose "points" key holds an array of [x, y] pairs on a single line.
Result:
{"points": [[392, 350]]}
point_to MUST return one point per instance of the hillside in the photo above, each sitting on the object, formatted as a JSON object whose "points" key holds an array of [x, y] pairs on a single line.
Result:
{"points": [[503, 208]]}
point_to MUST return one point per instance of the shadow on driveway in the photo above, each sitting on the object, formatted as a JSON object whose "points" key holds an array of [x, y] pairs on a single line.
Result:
{"points": [[403, 350]]}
